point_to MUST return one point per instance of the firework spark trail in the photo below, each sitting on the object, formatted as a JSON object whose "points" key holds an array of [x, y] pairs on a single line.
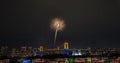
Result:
{"points": [[55, 36]]}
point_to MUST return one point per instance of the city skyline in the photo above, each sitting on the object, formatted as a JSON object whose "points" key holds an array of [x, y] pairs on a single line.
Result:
{"points": [[88, 23]]}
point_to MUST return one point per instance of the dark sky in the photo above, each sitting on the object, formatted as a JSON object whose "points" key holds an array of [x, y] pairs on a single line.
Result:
{"points": [[89, 23]]}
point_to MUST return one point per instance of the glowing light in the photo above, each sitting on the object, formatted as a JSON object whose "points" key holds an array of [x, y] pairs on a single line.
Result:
{"points": [[26, 61], [66, 52], [76, 53], [58, 25], [66, 60], [71, 60], [66, 46], [41, 48]]}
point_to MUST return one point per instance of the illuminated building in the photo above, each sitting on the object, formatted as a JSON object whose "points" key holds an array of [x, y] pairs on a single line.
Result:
{"points": [[66, 48], [76, 53], [66, 45], [71, 60], [26, 61], [65, 54], [41, 48], [29, 51], [66, 60], [89, 60], [23, 49], [23, 52], [4, 50], [13, 52], [35, 50]]}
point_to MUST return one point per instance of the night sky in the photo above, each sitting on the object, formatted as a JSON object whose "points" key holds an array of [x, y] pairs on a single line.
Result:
{"points": [[89, 23]]}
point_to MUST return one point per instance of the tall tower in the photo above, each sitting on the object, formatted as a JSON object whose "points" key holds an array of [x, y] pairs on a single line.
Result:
{"points": [[66, 45], [41, 51], [41, 48], [66, 48]]}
